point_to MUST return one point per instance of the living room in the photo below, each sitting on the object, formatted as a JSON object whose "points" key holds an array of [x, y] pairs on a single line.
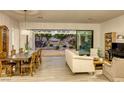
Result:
{"points": [[61, 46], [99, 22]]}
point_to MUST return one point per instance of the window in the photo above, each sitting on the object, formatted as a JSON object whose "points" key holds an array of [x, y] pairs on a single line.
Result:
{"points": [[84, 41]]}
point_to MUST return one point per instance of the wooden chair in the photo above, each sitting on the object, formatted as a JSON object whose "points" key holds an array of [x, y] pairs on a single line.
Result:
{"points": [[38, 58], [29, 65], [0, 68], [13, 52], [3, 55], [11, 64], [7, 65], [40, 55], [21, 50]]}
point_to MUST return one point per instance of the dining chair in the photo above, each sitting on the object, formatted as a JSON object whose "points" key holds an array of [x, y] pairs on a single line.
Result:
{"points": [[40, 55], [13, 52], [11, 64], [21, 50], [3, 64], [28, 65], [6, 64], [0, 68], [38, 58]]}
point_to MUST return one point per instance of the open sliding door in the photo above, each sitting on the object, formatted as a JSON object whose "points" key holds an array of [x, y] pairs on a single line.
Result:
{"points": [[84, 41]]}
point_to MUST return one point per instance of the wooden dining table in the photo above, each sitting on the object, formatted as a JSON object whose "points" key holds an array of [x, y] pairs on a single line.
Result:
{"points": [[18, 58], [21, 56]]}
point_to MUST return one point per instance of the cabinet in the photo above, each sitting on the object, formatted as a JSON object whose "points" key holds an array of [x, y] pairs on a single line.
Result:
{"points": [[109, 38], [4, 39]]}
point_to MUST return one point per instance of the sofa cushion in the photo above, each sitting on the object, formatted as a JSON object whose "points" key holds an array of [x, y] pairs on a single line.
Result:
{"points": [[83, 57]]}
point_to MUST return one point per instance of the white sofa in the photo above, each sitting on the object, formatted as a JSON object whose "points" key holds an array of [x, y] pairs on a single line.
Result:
{"points": [[79, 63], [115, 70]]}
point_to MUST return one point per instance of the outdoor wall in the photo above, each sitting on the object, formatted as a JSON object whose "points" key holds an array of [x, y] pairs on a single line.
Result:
{"points": [[13, 27], [74, 26]]}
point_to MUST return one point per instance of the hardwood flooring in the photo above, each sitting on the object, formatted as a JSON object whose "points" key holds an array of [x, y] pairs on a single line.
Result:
{"points": [[55, 69]]}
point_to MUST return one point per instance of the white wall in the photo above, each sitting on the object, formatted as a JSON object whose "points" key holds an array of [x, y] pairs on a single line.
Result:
{"points": [[114, 25], [75, 26], [12, 25]]}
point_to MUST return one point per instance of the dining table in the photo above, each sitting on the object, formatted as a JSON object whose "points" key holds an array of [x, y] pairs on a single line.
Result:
{"points": [[18, 58]]}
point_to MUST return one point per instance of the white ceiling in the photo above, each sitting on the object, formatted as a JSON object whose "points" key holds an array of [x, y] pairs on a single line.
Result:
{"points": [[65, 16]]}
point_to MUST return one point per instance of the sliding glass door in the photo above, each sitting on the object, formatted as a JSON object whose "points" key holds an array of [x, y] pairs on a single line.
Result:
{"points": [[84, 41], [56, 39]]}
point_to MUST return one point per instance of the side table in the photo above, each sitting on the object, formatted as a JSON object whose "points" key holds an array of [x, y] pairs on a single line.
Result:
{"points": [[98, 63]]}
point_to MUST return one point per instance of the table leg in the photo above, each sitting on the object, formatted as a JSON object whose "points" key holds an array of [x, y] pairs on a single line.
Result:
{"points": [[18, 68], [0, 68]]}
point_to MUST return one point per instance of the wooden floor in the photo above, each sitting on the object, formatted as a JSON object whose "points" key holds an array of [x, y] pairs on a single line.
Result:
{"points": [[55, 69], [52, 53]]}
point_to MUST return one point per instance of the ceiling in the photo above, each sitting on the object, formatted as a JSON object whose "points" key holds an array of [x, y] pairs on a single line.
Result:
{"points": [[64, 16]]}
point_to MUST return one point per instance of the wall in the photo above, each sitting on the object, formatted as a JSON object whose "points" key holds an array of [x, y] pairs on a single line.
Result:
{"points": [[114, 25], [75, 26], [13, 26]]}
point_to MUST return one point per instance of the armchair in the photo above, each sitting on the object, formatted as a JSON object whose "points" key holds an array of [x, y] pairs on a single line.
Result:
{"points": [[114, 71]]}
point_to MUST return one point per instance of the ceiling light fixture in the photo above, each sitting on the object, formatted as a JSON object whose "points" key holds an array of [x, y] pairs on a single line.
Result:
{"points": [[25, 31], [25, 18]]}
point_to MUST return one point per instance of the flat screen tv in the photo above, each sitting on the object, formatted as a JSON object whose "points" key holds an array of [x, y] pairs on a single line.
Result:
{"points": [[118, 49]]}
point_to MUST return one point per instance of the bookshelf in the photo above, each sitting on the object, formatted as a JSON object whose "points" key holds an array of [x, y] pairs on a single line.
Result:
{"points": [[109, 38]]}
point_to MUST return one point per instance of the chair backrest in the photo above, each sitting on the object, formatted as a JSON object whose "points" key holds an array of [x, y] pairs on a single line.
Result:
{"points": [[38, 55], [33, 57], [39, 52], [13, 52], [94, 52], [3, 55], [21, 50]]}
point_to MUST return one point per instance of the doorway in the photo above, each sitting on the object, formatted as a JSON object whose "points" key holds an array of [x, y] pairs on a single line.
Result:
{"points": [[84, 41]]}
